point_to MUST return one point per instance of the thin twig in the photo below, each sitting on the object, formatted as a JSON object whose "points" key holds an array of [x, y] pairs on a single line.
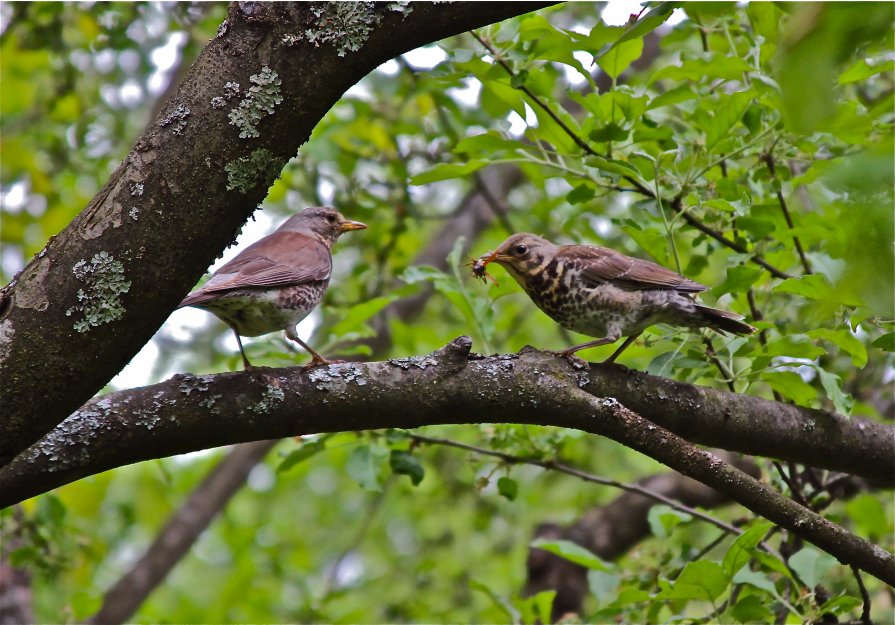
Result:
{"points": [[768, 158], [726, 375], [582, 475], [793, 488], [736, 247], [865, 596]]}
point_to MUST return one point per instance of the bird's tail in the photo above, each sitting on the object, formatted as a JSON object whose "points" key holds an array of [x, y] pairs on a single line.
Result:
{"points": [[724, 321]]}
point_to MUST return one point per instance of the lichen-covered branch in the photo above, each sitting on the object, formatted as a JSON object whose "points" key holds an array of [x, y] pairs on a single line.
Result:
{"points": [[84, 306], [187, 413]]}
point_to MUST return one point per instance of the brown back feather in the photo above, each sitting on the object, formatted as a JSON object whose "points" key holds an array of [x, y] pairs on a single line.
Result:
{"points": [[600, 265], [281, 259]]}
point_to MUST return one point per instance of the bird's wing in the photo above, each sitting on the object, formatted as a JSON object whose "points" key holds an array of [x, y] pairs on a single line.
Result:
{"points": [[600, 265], [284, 259]]}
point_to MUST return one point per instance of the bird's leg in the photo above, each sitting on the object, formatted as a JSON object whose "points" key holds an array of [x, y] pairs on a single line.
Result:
{"points": [[621, 348], [577, 348], [316, 359], [245, 361]]}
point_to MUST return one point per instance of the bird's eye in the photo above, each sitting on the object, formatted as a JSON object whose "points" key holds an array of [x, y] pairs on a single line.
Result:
{"points": [[521, 249], [331, 218]]}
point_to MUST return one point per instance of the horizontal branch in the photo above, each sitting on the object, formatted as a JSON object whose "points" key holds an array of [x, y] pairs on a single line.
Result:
{"points": [[187, 413]]}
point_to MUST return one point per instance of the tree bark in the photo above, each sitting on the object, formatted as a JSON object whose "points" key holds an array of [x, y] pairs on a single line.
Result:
{"points": [[84, 306], [188, 412]]}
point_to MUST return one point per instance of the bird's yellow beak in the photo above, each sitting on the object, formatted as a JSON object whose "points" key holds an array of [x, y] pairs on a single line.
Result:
{"points": [[345, 226]]}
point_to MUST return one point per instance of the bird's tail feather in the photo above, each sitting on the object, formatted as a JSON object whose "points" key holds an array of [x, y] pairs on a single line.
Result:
{"points": [[725, 321]]}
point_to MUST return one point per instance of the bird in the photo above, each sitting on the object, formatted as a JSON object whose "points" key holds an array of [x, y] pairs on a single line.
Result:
{"points": [[278, 280], [602, 293]]}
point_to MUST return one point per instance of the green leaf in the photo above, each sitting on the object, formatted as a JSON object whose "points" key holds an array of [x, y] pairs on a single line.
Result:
{"points": [[356, 316], [663, 519], [752, 609], [739, 280], [537, 609], [363, 466], [446, 171], [654, 18], [740, 550], [868, 513], [842, 604], [816, 287], [758, 228], [307, 450], [499, 602], [862, 69], [700, 580], [811, 565], [846, 341], [791, 385], [725, 117], [613, 166], [703, 69], [603, 585], [832, 384], [573, 553], [508, 488], [628, 596], [620, 56], [582, 193], [755, 578], [608, 132], [405, 463], [489, 142], [886, 342]]}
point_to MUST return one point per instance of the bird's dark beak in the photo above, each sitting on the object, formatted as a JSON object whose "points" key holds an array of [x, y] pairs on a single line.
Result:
{"points": [[490, 257], [345, 226]]}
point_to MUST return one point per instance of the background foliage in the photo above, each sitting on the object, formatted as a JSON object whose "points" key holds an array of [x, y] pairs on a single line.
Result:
{"points": [[719, 146]]}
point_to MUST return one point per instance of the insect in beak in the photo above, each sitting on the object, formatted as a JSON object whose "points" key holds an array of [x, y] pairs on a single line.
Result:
{"points": [[478, 267]]}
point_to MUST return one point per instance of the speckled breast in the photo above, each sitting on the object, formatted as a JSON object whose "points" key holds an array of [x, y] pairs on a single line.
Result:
{"points": [[254, 312], [593, 311]]}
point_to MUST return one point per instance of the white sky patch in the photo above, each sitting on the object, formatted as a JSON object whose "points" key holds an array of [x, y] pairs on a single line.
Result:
{"points": [[130, 93], [517, 124], [138, 371], [468, 94], [390, 67], [618, 12], [426, 57], [13, 198], [164, 58]]}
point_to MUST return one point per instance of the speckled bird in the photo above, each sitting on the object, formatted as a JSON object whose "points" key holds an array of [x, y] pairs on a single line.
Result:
{"points": [[277, 281], [602, 293]]}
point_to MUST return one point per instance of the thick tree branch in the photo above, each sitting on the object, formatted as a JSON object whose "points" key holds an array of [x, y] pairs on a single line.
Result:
{"points": [[105, 284], [189, 412]]}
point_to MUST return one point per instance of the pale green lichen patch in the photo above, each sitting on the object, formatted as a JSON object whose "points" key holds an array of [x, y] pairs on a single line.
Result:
{"points": [[100, 300], [271, 396], [260, 101], [176, 119], [348, 24], [258, 167]]}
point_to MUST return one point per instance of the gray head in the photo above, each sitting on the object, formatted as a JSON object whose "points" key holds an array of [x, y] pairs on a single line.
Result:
{"points": [[323, 221]]}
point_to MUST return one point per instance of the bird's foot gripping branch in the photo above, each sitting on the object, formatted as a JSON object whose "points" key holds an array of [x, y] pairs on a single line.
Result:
{"points": [[658, 417]]}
